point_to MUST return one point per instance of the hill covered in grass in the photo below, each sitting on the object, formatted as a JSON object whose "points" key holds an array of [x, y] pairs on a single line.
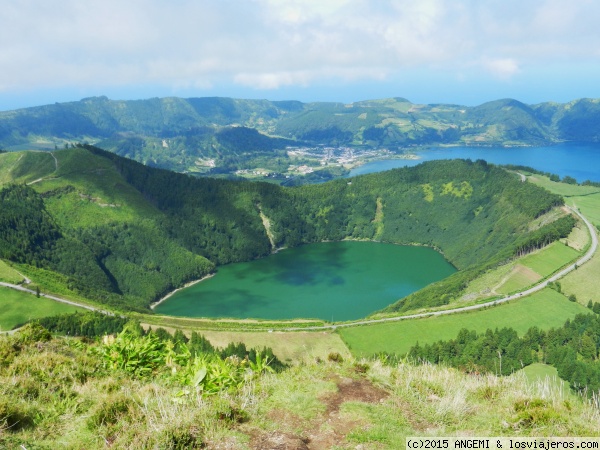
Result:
{"points": [[135, 391], [222, 135], [86, 222]]}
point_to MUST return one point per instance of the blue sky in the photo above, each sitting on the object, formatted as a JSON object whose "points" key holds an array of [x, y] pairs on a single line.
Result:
{"points": [[428, 51]]}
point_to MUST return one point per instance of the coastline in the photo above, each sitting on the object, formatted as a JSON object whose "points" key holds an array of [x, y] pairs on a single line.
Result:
{"points": [[191, 283]]}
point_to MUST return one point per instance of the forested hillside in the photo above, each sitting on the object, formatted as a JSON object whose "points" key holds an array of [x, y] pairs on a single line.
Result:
{"points": [[125, 234], [222, 135]]}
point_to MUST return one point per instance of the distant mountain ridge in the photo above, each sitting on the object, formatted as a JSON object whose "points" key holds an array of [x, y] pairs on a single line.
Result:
{"points": [[182, 134]]}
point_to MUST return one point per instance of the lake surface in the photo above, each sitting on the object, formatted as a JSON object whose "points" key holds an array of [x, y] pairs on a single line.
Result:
{"points": [[580, 161], [331, 281]]}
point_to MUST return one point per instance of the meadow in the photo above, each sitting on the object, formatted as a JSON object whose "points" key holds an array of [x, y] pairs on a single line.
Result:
{"points": [[68, 393], [20, 307], [583, 282], [545, 309], [585, 198], [552, 258]]}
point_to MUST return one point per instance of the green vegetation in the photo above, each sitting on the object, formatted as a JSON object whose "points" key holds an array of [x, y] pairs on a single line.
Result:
{"points": [[300, 346], [9, 275], [572, 349], [123, 234], [87, 324], [537, 373], [551, 259], [69, 393], [582, 283], [219, 136], [586, 197], [544, 309], [20, 307]]}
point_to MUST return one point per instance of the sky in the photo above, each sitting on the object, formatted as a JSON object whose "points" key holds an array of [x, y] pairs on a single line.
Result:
{"points": [[464, 52]]}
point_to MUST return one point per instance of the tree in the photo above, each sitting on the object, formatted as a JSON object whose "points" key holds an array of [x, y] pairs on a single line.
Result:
{"points": [[587, 347]]}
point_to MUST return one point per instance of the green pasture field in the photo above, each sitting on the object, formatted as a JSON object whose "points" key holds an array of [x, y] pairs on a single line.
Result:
{"points": [[520, 277], [584, 282], [549, 260], [564, 189], [19, 307], [586, 198], [589, 205], [539, 374], [7, 162], [522, 273], [544, 309]]}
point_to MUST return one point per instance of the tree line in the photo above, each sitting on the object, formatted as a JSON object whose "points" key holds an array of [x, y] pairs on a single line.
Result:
{"points": [[572, 349]]}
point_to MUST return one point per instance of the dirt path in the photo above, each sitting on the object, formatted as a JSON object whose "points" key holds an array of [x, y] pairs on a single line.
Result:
{"points": [[46, 177], [329, 429], [518, 269]]}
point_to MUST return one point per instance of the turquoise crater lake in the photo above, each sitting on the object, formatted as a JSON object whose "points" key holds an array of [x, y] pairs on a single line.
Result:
{"points": [[331, 281]]}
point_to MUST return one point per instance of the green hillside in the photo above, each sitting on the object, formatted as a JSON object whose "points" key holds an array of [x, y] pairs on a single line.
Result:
{"points": [[223, 135], [145, 391], [124, 234]]}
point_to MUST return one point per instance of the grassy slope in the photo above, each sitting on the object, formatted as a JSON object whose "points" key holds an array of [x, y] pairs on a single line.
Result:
{"points": [[99, 185], [8, 274], [551, 259], [586, 198], [62, 397], [309, 400], [521, 273], [19, 307], [583, 282], [101, 194], [544, 309]]}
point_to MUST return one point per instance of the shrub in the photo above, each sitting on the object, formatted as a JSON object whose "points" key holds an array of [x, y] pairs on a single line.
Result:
{"points": [[335, 357], [534, 413], [33, 332], [14, 417], [113, 409], [176, 438]]}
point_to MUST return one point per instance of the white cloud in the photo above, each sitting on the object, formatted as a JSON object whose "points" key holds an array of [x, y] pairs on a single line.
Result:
{"points": [[502, 68], [269, 44]]}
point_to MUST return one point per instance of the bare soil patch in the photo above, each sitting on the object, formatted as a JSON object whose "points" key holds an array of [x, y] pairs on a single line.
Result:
{"points": [[520, 274], [328, 430]]}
